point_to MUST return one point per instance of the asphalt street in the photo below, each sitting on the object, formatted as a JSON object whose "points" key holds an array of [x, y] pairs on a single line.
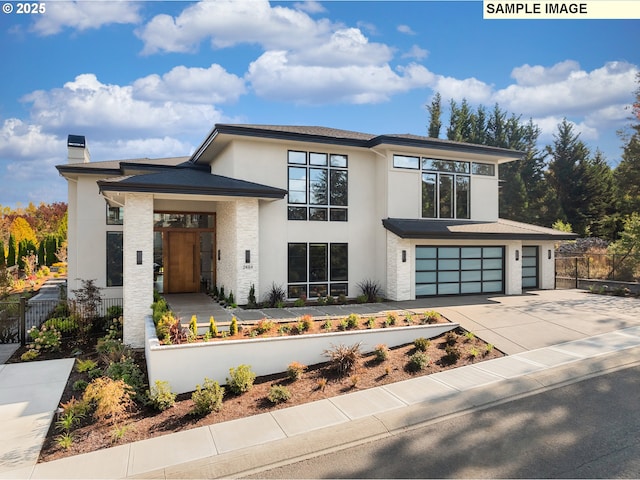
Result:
{"points": [[587, 429]]}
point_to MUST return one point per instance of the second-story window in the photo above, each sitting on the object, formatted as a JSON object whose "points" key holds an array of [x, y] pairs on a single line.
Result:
{"points": [[318, 186], [445, 189]]}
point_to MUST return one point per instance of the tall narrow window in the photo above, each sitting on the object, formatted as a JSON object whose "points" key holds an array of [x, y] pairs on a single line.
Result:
{"points": [[462, 197], [429, 195], [114, 259], [446, 196]]}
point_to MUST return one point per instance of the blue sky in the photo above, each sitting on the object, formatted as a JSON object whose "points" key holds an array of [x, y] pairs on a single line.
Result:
{"points": [[150, 79]]}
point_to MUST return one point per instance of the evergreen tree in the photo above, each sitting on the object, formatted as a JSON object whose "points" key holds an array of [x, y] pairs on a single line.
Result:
{"points": [[42, 258], [567, 175], [3, 260], [12, 251], [627, 173], [435, 110], [600, 205], [459, 122]]}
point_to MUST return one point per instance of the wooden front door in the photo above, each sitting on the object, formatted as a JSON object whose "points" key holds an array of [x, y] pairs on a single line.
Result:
{"points": [[182, 254]]}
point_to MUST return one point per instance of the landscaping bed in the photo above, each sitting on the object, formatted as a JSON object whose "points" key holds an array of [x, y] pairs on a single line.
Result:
{"points": [[316, 383]]}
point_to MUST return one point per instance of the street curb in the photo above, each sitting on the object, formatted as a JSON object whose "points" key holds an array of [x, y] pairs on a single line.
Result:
{"points": [[252, 460]]}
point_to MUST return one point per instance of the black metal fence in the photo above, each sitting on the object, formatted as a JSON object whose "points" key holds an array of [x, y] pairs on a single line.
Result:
{"points": [[18, 317], [593, 269]]}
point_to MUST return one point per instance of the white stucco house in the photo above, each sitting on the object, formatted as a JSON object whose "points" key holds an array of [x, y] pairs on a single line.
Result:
{"points": [[313, 209]]}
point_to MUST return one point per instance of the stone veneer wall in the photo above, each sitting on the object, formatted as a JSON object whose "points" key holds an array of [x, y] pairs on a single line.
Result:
{"points": [[237, 225], [138, 279], [398, 272]]}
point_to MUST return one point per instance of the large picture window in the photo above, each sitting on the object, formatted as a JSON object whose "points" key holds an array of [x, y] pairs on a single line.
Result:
{"points": [[114, 259], [445, 189], [317, 269], [318, 186]]}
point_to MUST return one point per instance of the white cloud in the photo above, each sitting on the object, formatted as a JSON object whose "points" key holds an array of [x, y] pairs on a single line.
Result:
{"points": [[229, 22], [86, 105], [474, 90], [565, 89], [406, 29], [416, 52], [83, 15], [310, 6], [191, 85], [274, 77]]}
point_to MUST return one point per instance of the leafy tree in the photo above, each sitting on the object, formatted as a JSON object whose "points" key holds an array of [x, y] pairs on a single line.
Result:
{"points": [[21, 230], [627, 248]]}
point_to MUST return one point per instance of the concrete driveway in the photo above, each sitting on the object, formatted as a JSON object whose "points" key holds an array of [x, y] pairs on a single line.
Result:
{"points": [[541, 318]]}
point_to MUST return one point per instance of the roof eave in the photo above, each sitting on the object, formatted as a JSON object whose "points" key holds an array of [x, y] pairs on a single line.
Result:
{"points": [[106, 186]]}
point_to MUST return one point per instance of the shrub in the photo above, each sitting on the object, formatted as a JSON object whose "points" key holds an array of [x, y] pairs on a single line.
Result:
{"points": [[110, 397], [321, 383], [370, 290], [176, 334], [29, 355], [469, 336], [231, 300], [381, 352], [306, 322], [127, 371], [343, 358], [111, 350], [278, 394], [275, 296], [353, 320], [422, 344], [331, 300], [327, 326], [264, 326], [361, 299], [251, 299], [284, 330], [342, 299], [79, 408], [160, 395], [371, 323], [193, 326], [452, 354], [46, 339], [213, 328], [69, 420], [392, 318], [295, 370], [233, 327], [79, 385], [474, 352], [159, 309], [166, 320], [66, 325], [83, 366], [114, 312], [488, 349], [418, 361], [431, 316], [451, 338], [240, 379], [354, 380], [65, 440], [300, 301], [207, 398]]}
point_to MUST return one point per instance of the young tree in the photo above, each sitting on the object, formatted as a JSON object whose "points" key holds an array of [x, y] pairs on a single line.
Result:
{"points": [[12, 251], [627, 173]]}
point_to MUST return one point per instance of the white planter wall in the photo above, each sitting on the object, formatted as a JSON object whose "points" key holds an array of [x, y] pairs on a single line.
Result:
{"points": [[185, 366]]}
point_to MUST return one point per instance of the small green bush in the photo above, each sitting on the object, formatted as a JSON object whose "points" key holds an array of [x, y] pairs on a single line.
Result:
{"points": [[128, 371], [64, 325], [233, 327], [79, 385], [452, 354], [240, 379], [29, 355], [278, 394], [422, 344], [213, 328], [83, 366], [160, 395], [418, 361], [352, 321], [371, 323], [193, 326], [451, 338], [381, 352], [295, 370], [207, 398]]}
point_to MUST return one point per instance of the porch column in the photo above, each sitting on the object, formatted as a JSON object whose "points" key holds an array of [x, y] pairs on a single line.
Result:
{"points": [[137, 266], [399, 272]]}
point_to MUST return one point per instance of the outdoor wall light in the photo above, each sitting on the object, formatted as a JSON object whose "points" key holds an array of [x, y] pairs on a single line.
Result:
{"points": [[517, 255], [549, 254], [139, 257], [247, 256], [404, 256], [218, 254]]}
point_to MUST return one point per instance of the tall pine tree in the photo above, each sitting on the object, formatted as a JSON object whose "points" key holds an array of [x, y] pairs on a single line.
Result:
{"points": [[435, 110], [627, 173]]}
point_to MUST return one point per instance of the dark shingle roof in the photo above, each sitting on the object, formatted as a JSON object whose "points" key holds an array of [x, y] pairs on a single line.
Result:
{"points": [[190, 181], [464, 229]]}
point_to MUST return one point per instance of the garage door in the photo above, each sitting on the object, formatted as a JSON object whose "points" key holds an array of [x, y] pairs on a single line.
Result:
{"points": [[529, 267], [459, 270]]}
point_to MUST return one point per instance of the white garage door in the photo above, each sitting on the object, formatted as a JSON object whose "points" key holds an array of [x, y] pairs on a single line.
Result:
{"points": [[459, 270]]}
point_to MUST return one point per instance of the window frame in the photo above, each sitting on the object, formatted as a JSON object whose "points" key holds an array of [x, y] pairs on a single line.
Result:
{"points": [[331, 201], [117, 219], [323, 276]]}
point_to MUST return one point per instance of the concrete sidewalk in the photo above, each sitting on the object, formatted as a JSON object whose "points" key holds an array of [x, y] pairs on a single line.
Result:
{"points": [[553, 337]]}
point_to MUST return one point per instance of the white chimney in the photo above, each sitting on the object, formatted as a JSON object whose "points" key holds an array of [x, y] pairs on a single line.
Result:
{"points": [[78, 151]]}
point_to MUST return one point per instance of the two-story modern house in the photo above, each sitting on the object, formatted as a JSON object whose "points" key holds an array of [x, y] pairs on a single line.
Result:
{"points": [[315, 210]]}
